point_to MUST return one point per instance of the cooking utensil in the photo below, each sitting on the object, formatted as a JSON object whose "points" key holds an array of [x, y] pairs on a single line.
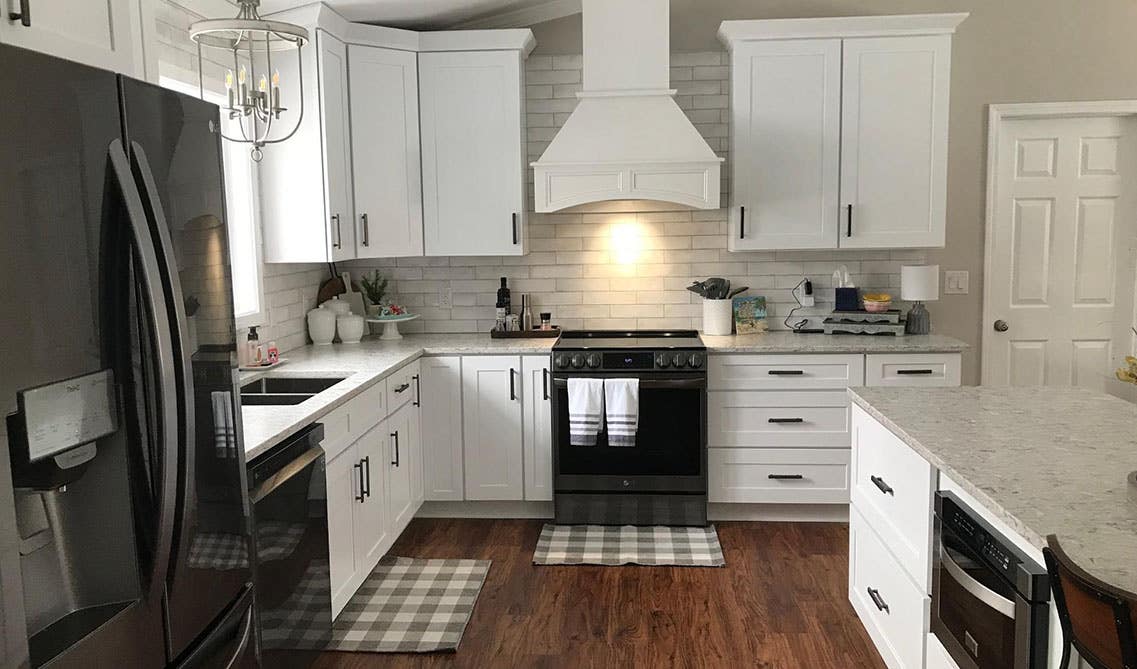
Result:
{"points": [[699, 288], [353, 297], [717, 288]]}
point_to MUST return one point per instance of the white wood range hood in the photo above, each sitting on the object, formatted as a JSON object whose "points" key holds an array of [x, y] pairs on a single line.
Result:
{"points": [[627, 139]]}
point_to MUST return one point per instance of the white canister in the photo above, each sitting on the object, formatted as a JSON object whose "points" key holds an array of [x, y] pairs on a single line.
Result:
{"points": [[337, 306], [717, 317], [349, 327], [321, 326]]}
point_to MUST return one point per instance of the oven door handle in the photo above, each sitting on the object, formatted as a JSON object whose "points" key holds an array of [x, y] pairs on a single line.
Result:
{"points": [[976, 589], [655, 384]]}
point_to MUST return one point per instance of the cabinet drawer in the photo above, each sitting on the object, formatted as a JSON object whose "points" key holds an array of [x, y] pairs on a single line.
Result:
{"points": [[402, 387], [922, 369], [784, 372], [337, 432], [773, 475], [892, 488], [809, 418], [366, 409], [892, 609]]}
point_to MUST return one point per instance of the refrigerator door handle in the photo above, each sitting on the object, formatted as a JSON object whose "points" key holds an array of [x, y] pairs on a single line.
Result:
{"points": [[174, 298], [164, 349]]}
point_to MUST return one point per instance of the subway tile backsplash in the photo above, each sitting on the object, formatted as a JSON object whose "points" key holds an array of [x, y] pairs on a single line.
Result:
{"points": [[600, 270]]}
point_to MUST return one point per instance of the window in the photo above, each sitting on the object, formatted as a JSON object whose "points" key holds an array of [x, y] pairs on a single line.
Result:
{"points": [[241, 208]]}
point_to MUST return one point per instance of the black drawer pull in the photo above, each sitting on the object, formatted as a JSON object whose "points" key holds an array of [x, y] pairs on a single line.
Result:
{"points": [[785, 477], [742, 222], [418, 391], [785, 372], [395, 434], [786, 420], [401, 388], [367, 463], [913, 372], [878, 600], [359, 466], [882, 486]]}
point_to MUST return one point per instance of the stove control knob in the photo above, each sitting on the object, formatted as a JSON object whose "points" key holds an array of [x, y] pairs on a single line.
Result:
{"points": [[561, 361], [678, 360], [593, 360], [577, 360], [695, 360], [661, 360]]}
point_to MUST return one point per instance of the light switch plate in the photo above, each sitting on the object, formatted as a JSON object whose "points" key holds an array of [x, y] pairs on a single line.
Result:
{"points": [[955, 282]]}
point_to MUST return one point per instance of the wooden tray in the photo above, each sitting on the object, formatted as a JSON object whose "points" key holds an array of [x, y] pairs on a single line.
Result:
{"points": [[526, 334]]}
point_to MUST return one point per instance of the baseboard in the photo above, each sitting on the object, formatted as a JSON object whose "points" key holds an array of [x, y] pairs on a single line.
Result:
{"points": [[800, 513]]}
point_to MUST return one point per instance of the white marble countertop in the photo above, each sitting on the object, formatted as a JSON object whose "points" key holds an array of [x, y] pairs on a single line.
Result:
{"points": [[1046, 460], [782, 341]]}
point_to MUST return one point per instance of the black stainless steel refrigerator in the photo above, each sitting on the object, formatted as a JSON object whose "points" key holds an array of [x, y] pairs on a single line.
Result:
{"points": [[124, 522]]}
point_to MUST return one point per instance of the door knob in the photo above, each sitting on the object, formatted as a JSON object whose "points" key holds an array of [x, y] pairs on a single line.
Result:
{"points": [[1001, 326]]}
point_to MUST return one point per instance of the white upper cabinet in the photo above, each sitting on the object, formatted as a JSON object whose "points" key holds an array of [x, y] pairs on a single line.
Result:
{"points": [[473, 174], [786, 125], [387, 173], [894, 139], [839, 131], [103, 34]]}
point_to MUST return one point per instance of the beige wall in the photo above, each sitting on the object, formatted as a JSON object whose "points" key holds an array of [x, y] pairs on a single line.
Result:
{"points": [[1006, 51]]}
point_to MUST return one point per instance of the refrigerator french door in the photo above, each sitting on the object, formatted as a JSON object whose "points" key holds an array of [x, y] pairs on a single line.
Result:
{"points": [[124, 467]]}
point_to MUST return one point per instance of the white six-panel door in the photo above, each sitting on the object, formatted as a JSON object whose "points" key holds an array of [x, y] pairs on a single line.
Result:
{"points": [[786, 122], [894, 139], [387, 170], [491, 420], [1060, 214]]}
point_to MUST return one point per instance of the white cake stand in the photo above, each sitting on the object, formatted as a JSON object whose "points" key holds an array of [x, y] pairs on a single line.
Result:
{"points": [[391, 324]]}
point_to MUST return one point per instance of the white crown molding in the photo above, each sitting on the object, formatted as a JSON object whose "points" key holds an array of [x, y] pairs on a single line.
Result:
{"points": [[523, 17], [844, 26]]}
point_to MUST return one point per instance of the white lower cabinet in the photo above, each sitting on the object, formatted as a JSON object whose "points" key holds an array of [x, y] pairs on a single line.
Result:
{"points": [[537, 428], [371, 517], [491, 427], [778, 475], [343, 490], [937, 655], [403, 454], [441, 399]]}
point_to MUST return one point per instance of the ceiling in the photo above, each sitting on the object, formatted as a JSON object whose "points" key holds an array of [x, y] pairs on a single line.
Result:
{"points": [[415, 14]]}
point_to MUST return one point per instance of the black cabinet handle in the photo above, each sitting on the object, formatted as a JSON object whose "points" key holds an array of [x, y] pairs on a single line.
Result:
{"points": [[876, 599], [418, 391], [849, 223], [785, 372], [512, 388], [367, 464], [401, 388], [785, 477], [24, 16], [742, 222], [913, 372], [882, 486], [545, 382], [366, 230], [359, 466], [785, 420], [514, 226], [395, 434]]}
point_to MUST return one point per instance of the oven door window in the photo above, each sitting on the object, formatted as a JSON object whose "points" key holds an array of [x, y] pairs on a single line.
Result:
{"points": [[668, 441], [974, 607]]}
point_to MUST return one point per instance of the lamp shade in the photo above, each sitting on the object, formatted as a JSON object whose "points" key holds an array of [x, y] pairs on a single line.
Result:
{"points": [[920, 283]]}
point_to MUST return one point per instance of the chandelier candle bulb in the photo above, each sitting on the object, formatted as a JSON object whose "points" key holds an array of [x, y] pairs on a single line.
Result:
{"points": [[276, 91]]}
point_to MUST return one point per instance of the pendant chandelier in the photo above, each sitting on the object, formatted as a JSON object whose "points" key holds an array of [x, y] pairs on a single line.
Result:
{"points": [[253, 94]]}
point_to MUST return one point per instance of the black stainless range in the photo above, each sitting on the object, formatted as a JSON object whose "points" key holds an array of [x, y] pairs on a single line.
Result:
{"points": [[662, 479]]}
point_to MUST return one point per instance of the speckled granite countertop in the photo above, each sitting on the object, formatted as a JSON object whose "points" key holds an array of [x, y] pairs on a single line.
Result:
{"points": [[363, 365], [1045, 460], [788, 342]]}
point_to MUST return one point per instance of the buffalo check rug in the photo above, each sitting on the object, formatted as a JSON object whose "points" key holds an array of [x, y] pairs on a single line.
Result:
{"points": [[604, 545], [410, 605]]}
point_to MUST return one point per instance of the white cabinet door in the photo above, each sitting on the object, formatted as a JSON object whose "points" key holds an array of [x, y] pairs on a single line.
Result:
{"points": [[370, 521], [387, 172], [400, 467], [335, 115], [441, 398], [491, 413], [343, 481], [101, 34], [473, 169], [894, 136], [785, 143], [537, 428], [414, 441]]}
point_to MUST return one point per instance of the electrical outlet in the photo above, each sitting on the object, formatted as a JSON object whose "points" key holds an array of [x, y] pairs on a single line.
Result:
{"points": [[445, 298], [806, 299], [955, 282]]}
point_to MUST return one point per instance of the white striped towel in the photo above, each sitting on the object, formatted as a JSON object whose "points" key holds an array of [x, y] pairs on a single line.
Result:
{"points": [[586, 410], [224, 426], [622, 410]]}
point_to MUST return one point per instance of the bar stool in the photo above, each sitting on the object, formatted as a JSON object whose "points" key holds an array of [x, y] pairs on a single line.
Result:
{"points": [[1097, 619]]}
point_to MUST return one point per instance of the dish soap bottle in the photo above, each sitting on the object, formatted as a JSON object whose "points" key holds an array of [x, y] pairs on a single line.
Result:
{"points": [[252, 348]]}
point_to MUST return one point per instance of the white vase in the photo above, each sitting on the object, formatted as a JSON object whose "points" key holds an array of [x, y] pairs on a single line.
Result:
{"points": [[349, 327], [321, 326], [717, 317]]}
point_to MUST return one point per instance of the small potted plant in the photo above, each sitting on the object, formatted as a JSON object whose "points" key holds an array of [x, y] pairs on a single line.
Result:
{"points": [[374, 288]]}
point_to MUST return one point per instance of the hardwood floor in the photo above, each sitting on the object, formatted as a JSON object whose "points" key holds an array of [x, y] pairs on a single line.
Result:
{"points": [[780, 602]]}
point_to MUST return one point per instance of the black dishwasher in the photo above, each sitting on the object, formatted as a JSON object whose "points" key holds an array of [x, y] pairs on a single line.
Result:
{"points": [[293, 584]]}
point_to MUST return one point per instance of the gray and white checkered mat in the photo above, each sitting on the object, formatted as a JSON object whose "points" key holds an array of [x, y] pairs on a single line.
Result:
{"points": [[410, 605], [603, 545]]}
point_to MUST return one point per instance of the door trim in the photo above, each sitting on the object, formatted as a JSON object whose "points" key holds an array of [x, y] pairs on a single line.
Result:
{"points": [[997, 114]]}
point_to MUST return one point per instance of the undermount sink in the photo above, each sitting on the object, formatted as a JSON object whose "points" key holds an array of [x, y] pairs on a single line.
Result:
{"points": [[285, 390]]}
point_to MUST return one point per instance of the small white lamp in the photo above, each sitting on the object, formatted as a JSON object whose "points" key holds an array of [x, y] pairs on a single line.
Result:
{"points": [[919, 284]]}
